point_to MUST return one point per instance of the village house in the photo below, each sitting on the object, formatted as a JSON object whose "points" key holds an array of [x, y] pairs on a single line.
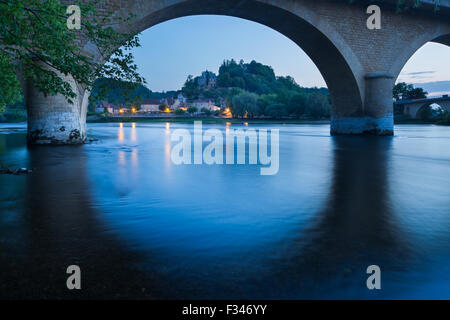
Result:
{"points": [[204, 103], [150, 105], [105, 107], [169, 102], [179, 102]]}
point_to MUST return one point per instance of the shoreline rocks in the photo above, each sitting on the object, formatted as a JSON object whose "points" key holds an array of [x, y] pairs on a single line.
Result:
{"points": [[15, 171]]}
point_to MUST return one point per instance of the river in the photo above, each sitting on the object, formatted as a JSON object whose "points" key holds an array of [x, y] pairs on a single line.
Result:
{"points": [[140, 226]]}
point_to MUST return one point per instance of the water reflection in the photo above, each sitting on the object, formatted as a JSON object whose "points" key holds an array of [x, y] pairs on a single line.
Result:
{"points": [[123, 211], [121, 135], [57, 227], [133, 132], [329, 258]]}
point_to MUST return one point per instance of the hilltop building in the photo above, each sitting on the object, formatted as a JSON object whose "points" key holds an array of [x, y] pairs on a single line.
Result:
{"points": [[207, 80]]}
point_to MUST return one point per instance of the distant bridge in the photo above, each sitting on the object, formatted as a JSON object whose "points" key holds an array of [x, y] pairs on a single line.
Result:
{"points": [[414, 107]]}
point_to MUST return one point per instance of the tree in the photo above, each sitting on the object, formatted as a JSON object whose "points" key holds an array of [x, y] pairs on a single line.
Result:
{"points": [[402, 90], [192, 110], [9, 85], [417, 93], [263, 101], [179, 112], [426, 113], [245, 103], [297, 104], [118, 92], [190, 88], [317, 106], [206, 111], [444, 118], [275, 110], [35, 40]]}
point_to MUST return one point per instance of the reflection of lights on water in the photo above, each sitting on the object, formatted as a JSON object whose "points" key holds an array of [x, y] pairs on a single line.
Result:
{"points": [[122, 158], [127, 160], [121, 135], [134, 158], [167, 151], [246, 124], [133, 131], [227, 129]]}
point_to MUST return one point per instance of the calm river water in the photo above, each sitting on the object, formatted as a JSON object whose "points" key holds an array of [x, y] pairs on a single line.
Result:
{"points": [[140, 226]]}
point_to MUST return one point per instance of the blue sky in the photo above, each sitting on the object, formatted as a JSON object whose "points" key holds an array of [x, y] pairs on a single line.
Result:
{"points": [[174, 49]]}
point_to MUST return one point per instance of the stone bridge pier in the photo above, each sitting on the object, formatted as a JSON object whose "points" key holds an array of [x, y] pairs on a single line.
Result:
{"points": [[52, 119], [358, 64]]}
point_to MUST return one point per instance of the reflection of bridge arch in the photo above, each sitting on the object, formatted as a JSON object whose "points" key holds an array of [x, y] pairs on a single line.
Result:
{"points": [[358, 64]]}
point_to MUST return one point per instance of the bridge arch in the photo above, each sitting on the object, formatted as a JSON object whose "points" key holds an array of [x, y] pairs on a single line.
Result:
{"points": [[419, 110], [337, 63], [416, 111], [441, 36], [358, 64]]}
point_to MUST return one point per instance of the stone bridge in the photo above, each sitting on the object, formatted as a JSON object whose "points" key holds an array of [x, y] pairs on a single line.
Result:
{"points": [[359, 65], [412, 108]]}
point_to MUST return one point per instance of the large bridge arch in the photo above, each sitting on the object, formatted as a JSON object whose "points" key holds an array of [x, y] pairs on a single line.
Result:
{"points": [[358, 64], [439, 34], [299, 22]]}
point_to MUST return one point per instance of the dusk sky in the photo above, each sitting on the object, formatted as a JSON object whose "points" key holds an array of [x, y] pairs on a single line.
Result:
{"points": [[174, 49]]}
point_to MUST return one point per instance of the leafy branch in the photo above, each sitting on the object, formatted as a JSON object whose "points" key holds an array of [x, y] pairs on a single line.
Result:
{"points": [[34, 39]]}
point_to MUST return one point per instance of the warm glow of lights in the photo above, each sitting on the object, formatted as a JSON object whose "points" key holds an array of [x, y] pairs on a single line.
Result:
{"points": [[227, 113], [245, 123], [133, 110], [228, 123], [134, 158], [167, 110], [133, 124], [167, 125], [121, 125], [121, 135], [122, 160], [121, 111]]}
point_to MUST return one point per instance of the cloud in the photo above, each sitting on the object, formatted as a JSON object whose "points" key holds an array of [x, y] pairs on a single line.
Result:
{"points": [[420, 72]]}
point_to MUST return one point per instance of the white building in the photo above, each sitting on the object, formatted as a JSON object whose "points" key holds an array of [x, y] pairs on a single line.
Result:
{"points": [[179, 102], [150, 105], [204, 103], [105, 107]]}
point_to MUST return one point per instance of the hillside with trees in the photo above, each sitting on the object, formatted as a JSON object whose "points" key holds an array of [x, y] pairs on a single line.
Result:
{"points": [[122, 93], [253, 90]]}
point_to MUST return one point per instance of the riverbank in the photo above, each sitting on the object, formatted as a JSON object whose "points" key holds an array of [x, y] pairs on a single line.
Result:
{"points": [[205, 120], [230, 120], [238, 120]]}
